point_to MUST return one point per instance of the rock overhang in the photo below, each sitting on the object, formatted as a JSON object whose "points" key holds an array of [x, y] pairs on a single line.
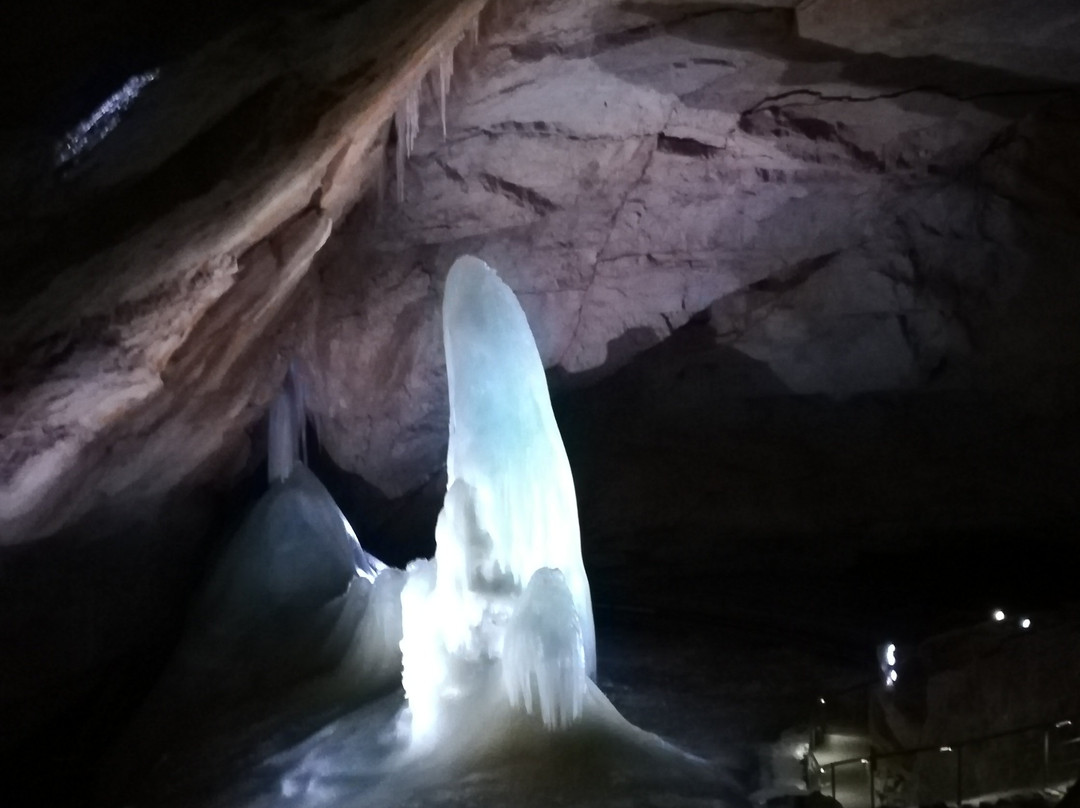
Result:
{"points": [[849, 218]]}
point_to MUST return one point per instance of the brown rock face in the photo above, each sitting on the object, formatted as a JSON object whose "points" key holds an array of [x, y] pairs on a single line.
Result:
{"points": [[148, 277], [858, 207], [851, 219]]}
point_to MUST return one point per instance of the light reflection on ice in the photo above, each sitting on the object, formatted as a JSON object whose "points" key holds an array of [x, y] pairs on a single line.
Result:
{"points": [[506, 599], [493, 639], [94, 129]]}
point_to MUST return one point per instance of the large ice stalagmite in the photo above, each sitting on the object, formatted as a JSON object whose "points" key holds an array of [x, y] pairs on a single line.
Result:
{"points": [[506, 601], [496, 632]]}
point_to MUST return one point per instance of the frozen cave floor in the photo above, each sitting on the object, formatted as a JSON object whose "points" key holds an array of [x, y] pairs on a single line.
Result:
{"points": [[714, 691]]}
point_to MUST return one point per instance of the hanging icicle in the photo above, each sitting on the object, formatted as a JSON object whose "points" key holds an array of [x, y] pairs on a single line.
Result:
{"points": [[412, 119], [407, 119], [380, 185], [400, 158], [295, 382], [446, 72], [287, 440]]}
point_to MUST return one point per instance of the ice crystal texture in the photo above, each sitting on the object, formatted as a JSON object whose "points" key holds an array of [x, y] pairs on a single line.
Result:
{"points": [[507, 588], [103, 120]]}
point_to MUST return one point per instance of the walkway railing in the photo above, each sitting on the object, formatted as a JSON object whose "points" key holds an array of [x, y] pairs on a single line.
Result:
{"points": [[1033, 758]]}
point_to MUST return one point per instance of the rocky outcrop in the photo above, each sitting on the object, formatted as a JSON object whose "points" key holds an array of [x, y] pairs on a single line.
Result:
{"points": [[857, 208], [854, 221], [1072, 796], [150, 276]]}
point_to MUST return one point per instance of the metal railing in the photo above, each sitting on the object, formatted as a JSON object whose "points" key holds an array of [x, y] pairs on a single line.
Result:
{"points": [[1033, 758]]}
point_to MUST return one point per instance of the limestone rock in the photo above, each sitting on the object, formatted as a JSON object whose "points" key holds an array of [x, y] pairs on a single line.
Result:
{"points": [[858, 206]]}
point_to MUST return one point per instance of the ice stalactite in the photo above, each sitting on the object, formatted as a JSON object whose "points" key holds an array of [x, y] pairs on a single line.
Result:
{"points": [[407, 115], [506, 599], [287, 441], [446, 72], [407, 119], [281, 453], [287, 453]]}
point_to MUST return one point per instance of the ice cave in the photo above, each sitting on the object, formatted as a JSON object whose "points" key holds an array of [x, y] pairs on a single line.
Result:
{"points": [[540, 402]]}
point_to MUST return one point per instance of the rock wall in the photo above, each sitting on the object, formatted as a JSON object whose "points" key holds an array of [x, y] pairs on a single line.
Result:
{"points": [[857, 207], [149, 282], [856, 221]]}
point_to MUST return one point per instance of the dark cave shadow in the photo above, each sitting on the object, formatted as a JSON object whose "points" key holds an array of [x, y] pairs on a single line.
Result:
{"points": [[773, 33], [642, 346]]}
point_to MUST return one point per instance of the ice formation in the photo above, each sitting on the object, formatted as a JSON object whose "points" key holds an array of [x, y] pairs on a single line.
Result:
{"points": [[544, 645], [286, 443], [497, 640], [287, 451], [506, 599], [294, 576], [407, 120], [102, 121], [446, 72], [407, 115], [493, 638]]}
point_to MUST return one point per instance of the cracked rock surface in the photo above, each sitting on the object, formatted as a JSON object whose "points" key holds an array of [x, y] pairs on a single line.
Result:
{"points": [[151, 286], [860, 206], [852, 219]]}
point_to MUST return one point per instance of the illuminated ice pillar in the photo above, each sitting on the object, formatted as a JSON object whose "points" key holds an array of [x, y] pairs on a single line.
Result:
{"points": [[506, 600]]}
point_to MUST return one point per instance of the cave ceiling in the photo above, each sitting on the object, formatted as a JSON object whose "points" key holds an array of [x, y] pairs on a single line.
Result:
{"points": [[852, 197]]}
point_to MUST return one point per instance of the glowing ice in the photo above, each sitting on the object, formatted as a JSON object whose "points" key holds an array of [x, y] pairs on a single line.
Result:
{"points": [[287, 451], [286, 445], [407, 121], [506, 598], [446, 72], [295, 576], [103, 120], [543, 645], [496, 632]]}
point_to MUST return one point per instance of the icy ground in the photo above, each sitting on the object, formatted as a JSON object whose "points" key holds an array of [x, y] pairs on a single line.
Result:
{"points": [[715, 690]]}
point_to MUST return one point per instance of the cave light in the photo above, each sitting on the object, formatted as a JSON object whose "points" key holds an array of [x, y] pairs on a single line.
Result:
{"points": [[890, 654], [103, 120], [999, 615], [945, 749], [1025, 622], [1062, 724]]}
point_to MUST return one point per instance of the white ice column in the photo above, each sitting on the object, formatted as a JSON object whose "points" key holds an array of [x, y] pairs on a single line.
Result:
{"points": [[508, 555]]}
